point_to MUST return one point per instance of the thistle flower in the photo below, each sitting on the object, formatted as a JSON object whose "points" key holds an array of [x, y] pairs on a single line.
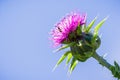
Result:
{"points": [[66, 26], [75, 35], [82, 43]]}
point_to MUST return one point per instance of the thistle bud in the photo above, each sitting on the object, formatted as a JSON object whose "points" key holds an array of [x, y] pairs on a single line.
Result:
{"points": [[85, 47]]}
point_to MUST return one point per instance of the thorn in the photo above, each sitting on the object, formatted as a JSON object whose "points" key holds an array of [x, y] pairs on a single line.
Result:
{"points": [[68, 74], [70, 71], [55, 50], [96, 17], [54, 68], [104, 55], [106, 18]]}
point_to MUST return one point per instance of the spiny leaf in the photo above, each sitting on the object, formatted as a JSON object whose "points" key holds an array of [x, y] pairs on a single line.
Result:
{"points": [[113, 71], [61, 59], [73, 65], [64, 47], [68, 58], [90, 25], [117, 67], [98, 26]]}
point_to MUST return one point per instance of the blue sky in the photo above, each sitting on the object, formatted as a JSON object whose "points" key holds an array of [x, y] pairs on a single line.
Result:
{"points": [[25, 50]]}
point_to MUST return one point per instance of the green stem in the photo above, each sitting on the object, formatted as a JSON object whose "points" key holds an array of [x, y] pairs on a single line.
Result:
{"points": [[102, 61], [115, 69]]}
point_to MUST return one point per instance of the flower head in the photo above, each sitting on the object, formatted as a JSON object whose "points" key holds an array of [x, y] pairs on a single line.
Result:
{"points": [[76, 36], [66, 26]]}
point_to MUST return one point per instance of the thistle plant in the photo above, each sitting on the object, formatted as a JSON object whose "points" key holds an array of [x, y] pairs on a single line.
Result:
{"points": [[73, 33]]}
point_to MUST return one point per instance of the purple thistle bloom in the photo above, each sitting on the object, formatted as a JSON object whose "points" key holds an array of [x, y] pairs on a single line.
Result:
{"points": [[67, 25]]}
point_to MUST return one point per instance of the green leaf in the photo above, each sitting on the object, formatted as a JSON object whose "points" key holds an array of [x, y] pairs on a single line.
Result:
{"points": [[90, 25], [117, 67], [61, 59], [73, 65], [98, 26], [113, 70], [65, 46], [68, 58]]}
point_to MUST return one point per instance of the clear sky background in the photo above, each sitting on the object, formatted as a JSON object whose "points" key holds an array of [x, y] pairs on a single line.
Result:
{"points": [[25, 50]]}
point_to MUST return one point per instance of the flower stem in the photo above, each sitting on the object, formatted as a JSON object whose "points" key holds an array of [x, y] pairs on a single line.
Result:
{"points": [[115, 69], [102, 61]]}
